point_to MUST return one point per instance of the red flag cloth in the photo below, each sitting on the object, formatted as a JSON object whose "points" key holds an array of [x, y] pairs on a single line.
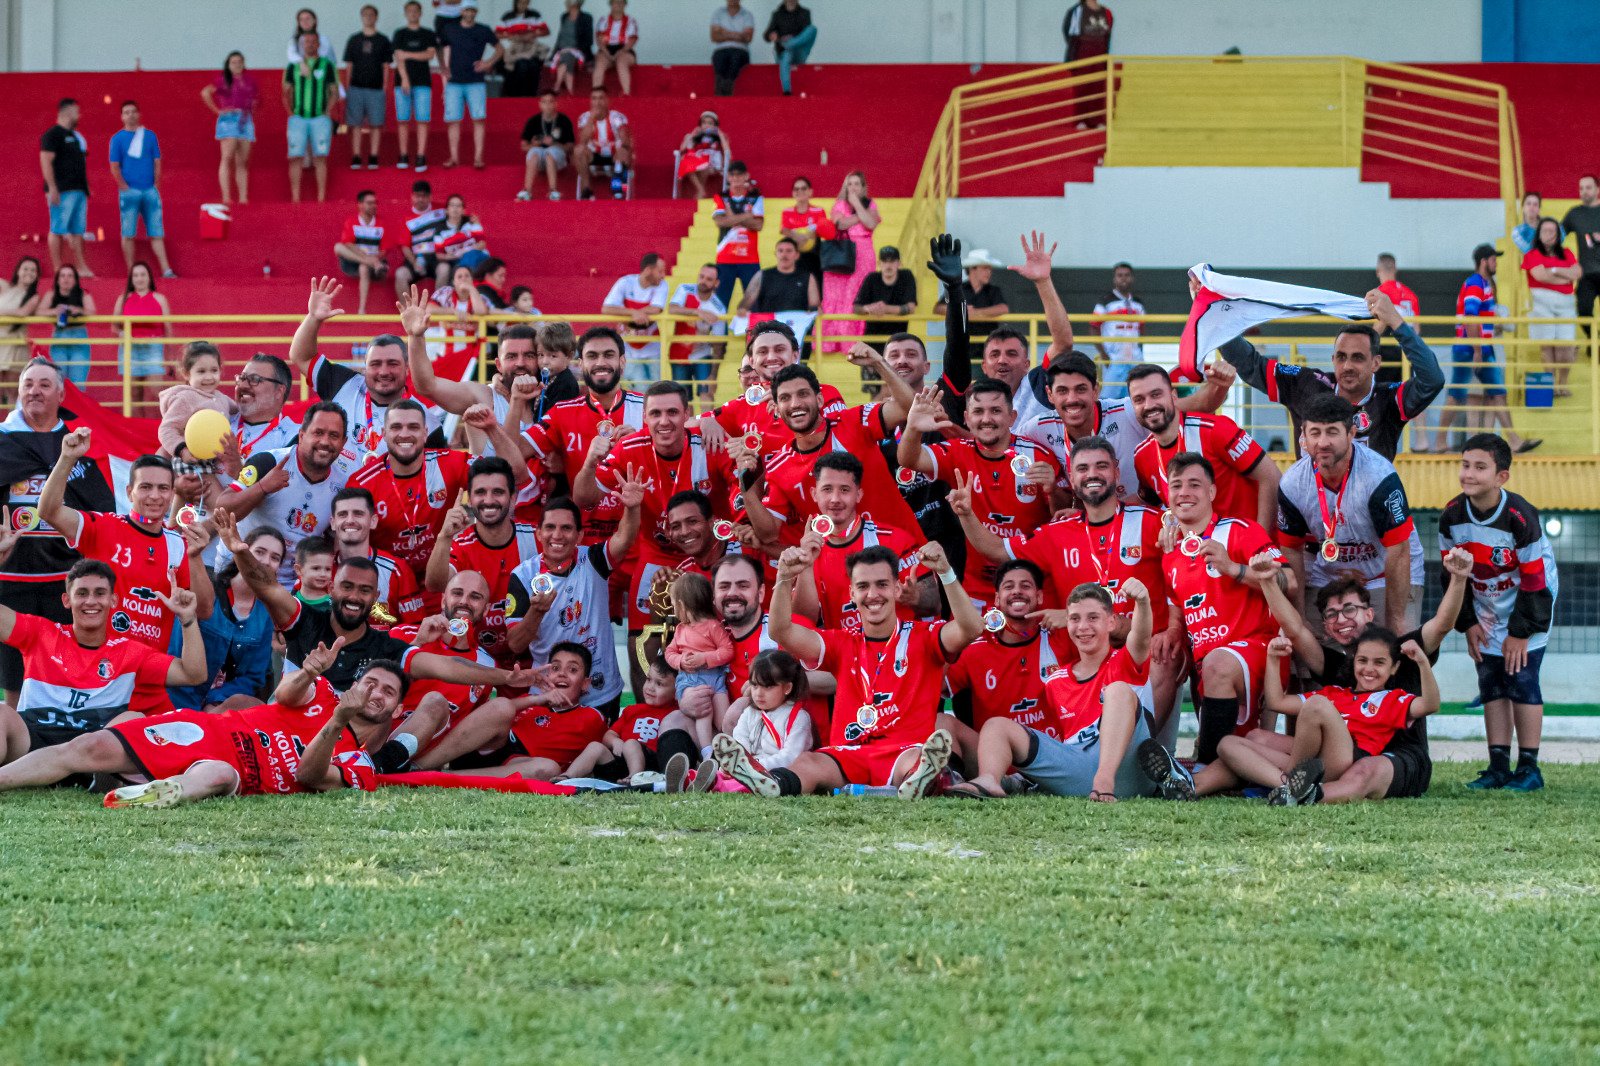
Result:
{"points": [[441, 779], [115, 434]]}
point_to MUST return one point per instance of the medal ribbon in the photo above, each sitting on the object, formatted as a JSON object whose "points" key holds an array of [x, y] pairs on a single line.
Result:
{"points": [[1330, 523]]}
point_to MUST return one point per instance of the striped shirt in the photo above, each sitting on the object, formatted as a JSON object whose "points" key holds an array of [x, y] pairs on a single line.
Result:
{"points": [[309, 87]]}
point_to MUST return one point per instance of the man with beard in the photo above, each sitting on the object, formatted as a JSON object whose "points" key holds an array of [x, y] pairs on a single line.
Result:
{"points": [[1015, 484], [354, 519], [344, 623], [291, 489], [80, 676], [452, 633], [559, 594], [144, 552], [33, 580], [890, 671], [260, 392], [484, 537], [1247, 481], [785, 472], [363, 395], [1342, 510], [1106, 543], [771, 346]]}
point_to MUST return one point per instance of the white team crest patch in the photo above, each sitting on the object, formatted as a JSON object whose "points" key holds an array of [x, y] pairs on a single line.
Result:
{"points": [[165, 733]]}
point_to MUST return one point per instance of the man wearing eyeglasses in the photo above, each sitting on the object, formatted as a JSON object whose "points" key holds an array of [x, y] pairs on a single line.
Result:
{"points": [[261, 425]]}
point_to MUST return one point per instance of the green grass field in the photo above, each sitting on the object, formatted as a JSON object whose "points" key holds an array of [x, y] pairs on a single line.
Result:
{"points": [[406, 927]]}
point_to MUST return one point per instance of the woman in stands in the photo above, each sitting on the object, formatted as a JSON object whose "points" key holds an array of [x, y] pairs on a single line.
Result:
{"points": [[147, 360], [232, 98], [618, 34], [855, 216], [462, 297], [703, 153], [1553, 274], [574, 48], [20, 298], [305, 21], [68, 302], [522, 31], [459, 241]]}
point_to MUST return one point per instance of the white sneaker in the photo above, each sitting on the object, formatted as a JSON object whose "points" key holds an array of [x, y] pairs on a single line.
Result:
{"points": [[524, 196], [554, 195], [935, 757], [734, 761]]}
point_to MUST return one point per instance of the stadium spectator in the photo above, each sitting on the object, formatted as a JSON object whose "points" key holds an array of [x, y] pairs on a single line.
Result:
{"points": [[446, 14], [1383, 408], [135, 157], [202, 368], [261, 390], [19, 297], [1390, 358], [63, 159], [792, 36], [732, 30], [1087, 29], [522, 31], [363, 246], [237, 635], [698, 362], [574, 46], [367, 55], [489, 278], [1526, 230], [1121, 350], [783, 286], [887, 291], [144, 359], [639, 298], [1552, 273], [703, 153], [415, 48], [462, 297], [739, 213], [1507, 621], [604, 139], [547, 145], [309, 83], [305, 21], [417, 253], [617, 34], [1486, 406], [855, 216], [464, 66], [806, 224], [522, 301], [1582, 220], [983, 299], [458, 241], [67, 301], [232, 97]]}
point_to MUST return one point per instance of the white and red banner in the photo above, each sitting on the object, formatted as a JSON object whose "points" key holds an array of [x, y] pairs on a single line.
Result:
{"points": [[1226, 306]]}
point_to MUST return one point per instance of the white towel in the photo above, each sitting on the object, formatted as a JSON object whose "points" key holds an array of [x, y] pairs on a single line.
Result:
{"points": [[136, 146], [1227, 306]]}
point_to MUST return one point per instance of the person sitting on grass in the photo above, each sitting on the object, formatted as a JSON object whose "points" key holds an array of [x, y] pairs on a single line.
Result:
{"points": [[773, 728], [631, 740], [1097, 711], [552, 728]]}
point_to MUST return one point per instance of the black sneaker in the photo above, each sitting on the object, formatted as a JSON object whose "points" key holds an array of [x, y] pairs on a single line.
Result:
{"points": [[1172, 780], [1490, 778], [355, 162], [1525, 779], [402, 163], [392, 758], [1302, 786], [372, 162], [422, 163]]}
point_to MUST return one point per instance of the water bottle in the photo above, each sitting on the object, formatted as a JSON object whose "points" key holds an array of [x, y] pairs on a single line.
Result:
{"points": [[62, 316], [868, 791], [616, 183]]}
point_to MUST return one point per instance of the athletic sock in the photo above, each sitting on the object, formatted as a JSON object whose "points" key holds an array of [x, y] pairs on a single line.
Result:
{"points": [[392, 758], [1218, 716], [1500, 757], [1527, 757], [788, 781]]}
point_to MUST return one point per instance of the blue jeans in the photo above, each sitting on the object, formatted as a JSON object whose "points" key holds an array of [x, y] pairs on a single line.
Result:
{"points": [[70, 216], [73, 359], [728, 274], [473, 96], [149, 360], [417, 104], [795, 53], [134, 204]]}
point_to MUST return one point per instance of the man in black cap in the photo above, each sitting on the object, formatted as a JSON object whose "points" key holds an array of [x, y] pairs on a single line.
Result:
{"points": [[1482, 408]]}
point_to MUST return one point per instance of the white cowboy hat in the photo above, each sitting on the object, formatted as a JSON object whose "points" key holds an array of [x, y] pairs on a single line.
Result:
{"points": [[979, 257]]}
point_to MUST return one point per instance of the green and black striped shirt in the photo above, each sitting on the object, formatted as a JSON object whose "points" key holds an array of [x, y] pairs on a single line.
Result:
{"points": [[308, 92]]}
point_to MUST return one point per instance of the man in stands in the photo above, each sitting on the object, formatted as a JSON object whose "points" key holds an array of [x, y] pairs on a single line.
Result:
{"points": [[560, 593], [604, 140], [484, 537], [135, 157], [309, 87], [32, 580], [465, 60], [422, 226], [1384, 408], [364, 395], [63, 156], [260, 391], [1342, 510], [79, 676], [890, 671], [1247, 480], [698, 362], [639, 298], [1015, 484], [783, 286], [1119, 347], [352, 524], [291, 489], [740, 214], [1582, 220], [367, 55], [732, 30], [146, 554], [363, 245], [547, 140], [1486, 406], [415, 47], [770, 346], [983, 299]]}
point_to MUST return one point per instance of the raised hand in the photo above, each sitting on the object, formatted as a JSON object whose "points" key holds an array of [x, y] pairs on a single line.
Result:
{"points": [[945, 263], [793, 562], [1051, 618], [414, 314], [1264, 566], [229, 459], [1458, 562], [1413, 651], [631, 487], [455, 520], [526, 387], [479, 416], [927, 412], [1280, 647], [861, 353], [1134, 589], [960, 496], [9, 535], [320, 304], [320, 660], [600, 447], [933, 557], [1035, 257], [1220, 372], [228, 530], [75, 445], [195, 538], [430, 629], [1383, 309], [351, 703]]}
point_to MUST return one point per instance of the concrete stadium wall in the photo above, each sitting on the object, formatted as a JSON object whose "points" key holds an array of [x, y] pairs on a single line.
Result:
{"points": [[46, 35]]}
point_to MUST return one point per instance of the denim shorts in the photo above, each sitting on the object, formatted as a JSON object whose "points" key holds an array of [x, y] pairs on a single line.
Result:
{"points": [[134, 204], [1487, 370], [236, 126], [71, 215], [1522, 687], [318, 131], [364, 107], [715, 680], [473, 95], [148, 360], [416, 103]]}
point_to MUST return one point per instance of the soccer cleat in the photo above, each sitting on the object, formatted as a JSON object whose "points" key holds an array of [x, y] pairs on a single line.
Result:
{"points": [[1172, 779], [164, 792], [1302, 786], [677, 770], [734, 761], [935, 756], [647, 777], [1490, 778], [1525, 779], [705, 776]]}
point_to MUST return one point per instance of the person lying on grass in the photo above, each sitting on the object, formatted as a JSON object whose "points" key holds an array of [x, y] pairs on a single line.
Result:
{"points": [[546, 731], [1097, 709]]}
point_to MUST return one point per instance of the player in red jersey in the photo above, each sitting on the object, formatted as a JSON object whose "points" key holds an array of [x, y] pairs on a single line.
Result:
{"points": [[1247, 480], [137, 545], [452, 632], [1099, 707], [1014, 485], [891, 672], [352, 524], [78, 677], [1227, 619], [771, 346]]}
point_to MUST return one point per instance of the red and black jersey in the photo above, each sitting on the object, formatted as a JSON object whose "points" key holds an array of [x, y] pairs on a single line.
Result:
{"points": [[559, 736], [411, 509], [1075, 550], [147, 559], [1514, 582], [93, 684], [696, 467], [561, 440], [1006, 679], [1216, 608], [889, 689], [1373, 718], [1233, 454]]}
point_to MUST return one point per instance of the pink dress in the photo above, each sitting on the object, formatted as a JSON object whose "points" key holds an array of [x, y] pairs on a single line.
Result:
{"points": [[839, 290]]}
